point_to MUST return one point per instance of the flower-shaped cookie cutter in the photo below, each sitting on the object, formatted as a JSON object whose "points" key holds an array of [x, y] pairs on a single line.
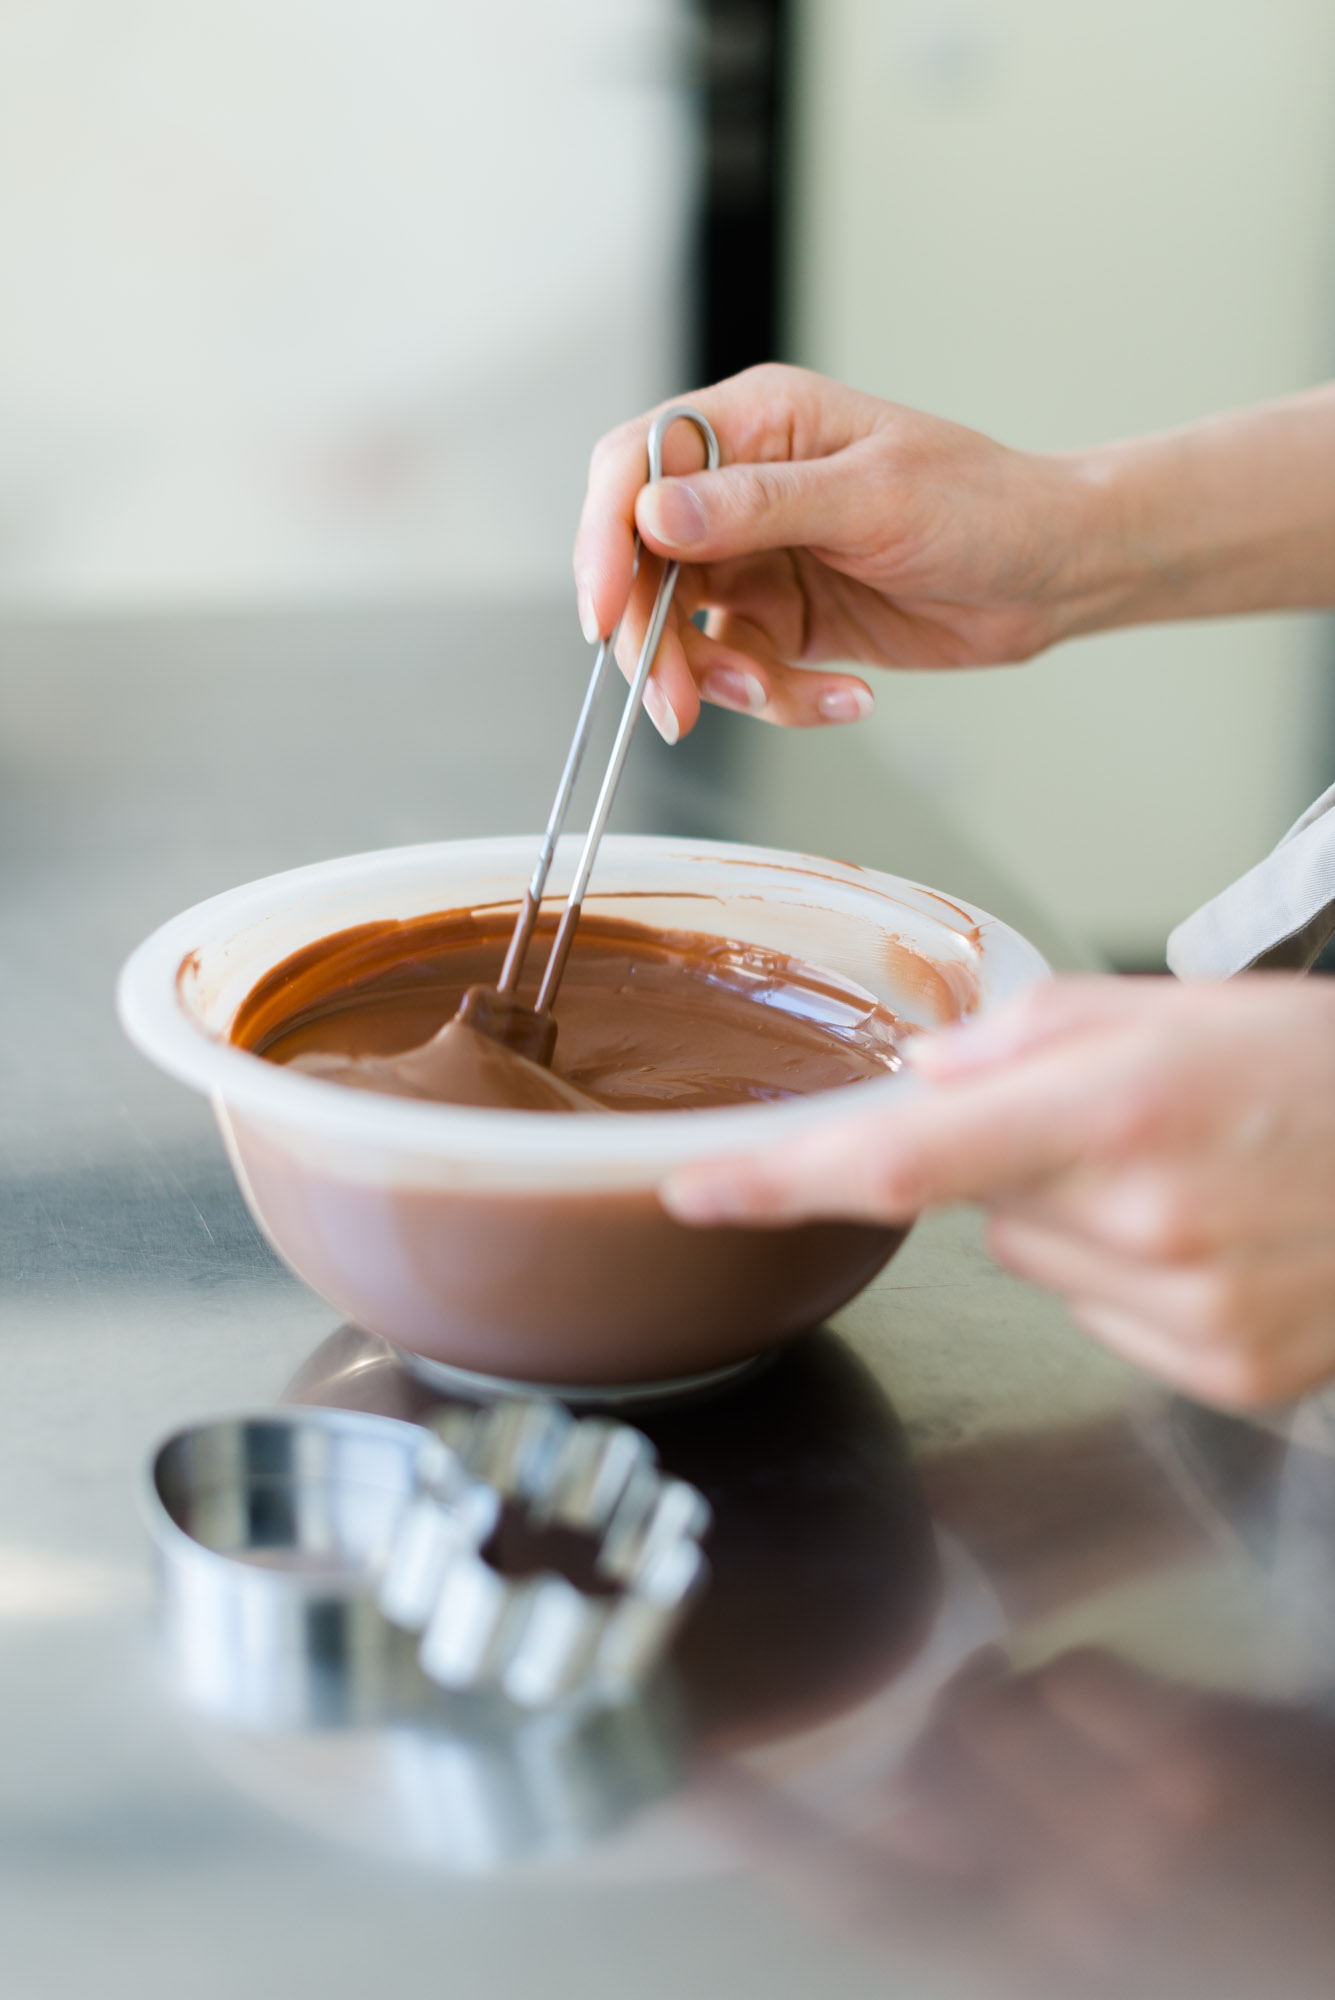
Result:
{"points": [[528, 1471]]}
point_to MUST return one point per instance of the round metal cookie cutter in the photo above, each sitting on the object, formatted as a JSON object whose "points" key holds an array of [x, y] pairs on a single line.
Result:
{"points": [[273, 1528], [533, 1633]]}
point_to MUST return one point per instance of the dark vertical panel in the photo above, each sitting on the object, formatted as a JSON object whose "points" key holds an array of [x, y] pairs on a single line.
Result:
{"points": [[737, 288], [741, 230]]}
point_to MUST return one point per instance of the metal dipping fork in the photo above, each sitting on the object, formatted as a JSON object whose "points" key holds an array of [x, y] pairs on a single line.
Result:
{"points": [[496, 1010]]}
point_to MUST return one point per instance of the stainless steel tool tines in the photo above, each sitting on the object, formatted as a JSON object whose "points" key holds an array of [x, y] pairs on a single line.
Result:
{"points": [[497, 1010], [539, 1638]]}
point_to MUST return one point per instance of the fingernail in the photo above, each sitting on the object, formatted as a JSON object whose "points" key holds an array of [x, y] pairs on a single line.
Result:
{"points": [[588, 617], [732, 687], [660, 712], [847, 704], [673, 512]]}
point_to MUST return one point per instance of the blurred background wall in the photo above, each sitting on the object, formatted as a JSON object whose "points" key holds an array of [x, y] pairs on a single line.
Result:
{"points": [[1062, 221], [312, 299], [321, 303]]}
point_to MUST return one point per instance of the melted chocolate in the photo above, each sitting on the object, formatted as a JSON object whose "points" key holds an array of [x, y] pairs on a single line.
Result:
{"points": [[457, 1066], [647, 1020], [588, 1286], [584, 1285]]}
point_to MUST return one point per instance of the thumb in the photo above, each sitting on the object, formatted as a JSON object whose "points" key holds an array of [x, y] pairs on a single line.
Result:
{"points": [[744, 509], [1052, 1010]]}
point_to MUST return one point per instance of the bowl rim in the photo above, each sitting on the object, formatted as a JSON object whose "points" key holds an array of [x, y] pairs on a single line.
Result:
{"points": [[154, 1018]]}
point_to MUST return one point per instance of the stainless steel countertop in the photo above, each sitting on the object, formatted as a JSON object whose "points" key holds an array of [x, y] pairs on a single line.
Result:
{"points": [[1064, 1827]]}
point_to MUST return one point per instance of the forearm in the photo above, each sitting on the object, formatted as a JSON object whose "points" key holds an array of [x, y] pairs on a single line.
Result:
{"points": [[1233, 514]]}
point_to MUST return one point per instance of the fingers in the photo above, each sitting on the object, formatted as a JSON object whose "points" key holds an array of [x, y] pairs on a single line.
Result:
{"points": [[1180, 1298], [1234, 1376], [763, 416], [972, 1141], [1164, 1211], [738, 670], [771, 418], [605, 539], [670, 698], [1150, 1348], [1189, 1205], [1239, 1331], [1047, 1012], [735, 666], [742, 509]]}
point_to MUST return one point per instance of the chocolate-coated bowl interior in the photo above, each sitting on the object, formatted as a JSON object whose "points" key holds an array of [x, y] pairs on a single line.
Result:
{"points": [[528, 1245]]}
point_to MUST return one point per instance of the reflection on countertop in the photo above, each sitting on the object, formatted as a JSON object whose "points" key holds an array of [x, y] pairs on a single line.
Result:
{"points": [[887, 1761], [824, 1574], [854, 1725]]}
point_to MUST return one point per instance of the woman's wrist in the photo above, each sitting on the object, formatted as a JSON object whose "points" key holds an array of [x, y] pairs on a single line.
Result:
{"points": [[1099, 569], [1231, 515]]}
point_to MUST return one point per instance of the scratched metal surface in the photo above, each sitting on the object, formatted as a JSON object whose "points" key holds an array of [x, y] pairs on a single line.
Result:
{"points": [[951, 1483]]}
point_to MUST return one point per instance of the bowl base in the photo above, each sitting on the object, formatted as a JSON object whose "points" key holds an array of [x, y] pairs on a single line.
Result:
{"points": [[473, 1387]]}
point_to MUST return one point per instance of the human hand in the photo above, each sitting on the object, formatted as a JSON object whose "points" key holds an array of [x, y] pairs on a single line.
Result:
{"points": [[838, 527], [1160, 1155]]}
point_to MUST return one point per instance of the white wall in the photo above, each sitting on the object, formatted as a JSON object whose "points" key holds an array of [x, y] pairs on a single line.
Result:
{"points": [[309, 298], [1064, 220]]}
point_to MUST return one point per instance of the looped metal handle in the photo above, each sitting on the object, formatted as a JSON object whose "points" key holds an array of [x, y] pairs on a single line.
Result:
{"points": [[528, 914], [565, 930], [662, 424]]}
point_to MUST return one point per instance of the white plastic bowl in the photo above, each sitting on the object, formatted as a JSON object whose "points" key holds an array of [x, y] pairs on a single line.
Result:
{"points": [[533, 1246]]}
